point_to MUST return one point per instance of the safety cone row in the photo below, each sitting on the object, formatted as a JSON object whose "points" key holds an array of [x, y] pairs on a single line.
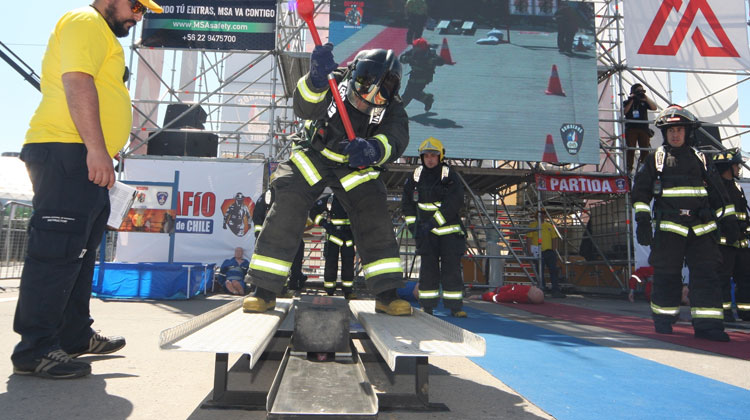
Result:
{"points": [[550, 155], [554, 87], [445, 53]]}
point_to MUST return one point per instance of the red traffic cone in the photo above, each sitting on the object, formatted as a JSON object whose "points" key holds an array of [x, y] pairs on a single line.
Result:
{"points": [[554, 87], [445, 53], [549, 151]]}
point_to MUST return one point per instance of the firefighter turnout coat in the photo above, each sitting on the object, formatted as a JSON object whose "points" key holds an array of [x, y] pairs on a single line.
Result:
{"points": [[689, 200], [318, 161], [431, 203]]}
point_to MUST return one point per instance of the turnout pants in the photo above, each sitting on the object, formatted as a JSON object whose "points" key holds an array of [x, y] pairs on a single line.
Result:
{"points": [[441, 267], [297, 279], [742, 283], [70, 214], [331, 253], [366, 206], [702, 255]]}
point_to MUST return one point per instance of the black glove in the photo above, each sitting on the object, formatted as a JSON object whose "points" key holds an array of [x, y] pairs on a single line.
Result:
{"points": [[362, 152], [730, 229], [321, 64], [643, 231]]}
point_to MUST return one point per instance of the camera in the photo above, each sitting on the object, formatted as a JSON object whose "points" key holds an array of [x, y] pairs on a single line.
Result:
{"points": [[641, 94]]}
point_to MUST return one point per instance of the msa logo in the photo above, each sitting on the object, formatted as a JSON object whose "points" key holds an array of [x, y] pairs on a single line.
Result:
{"points": [[694, 6]]}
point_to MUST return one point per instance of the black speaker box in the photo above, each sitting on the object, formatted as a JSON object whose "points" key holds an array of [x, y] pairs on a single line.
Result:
{"points": [[195, 118], [703, 140], [186, 142]]}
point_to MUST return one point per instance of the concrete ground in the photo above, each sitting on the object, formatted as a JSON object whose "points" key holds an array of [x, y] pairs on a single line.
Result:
{"points": [[143, 382]]}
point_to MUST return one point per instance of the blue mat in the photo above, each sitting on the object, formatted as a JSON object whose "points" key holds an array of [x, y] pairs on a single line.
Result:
{"points": [[571, 378]]}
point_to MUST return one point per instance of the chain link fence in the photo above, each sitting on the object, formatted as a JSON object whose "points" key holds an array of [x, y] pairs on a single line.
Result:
{"points": [[14, 218]]}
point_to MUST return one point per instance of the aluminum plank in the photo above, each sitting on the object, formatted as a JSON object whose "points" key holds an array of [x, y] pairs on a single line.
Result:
{"points": [[418, 335], [227, 330]]}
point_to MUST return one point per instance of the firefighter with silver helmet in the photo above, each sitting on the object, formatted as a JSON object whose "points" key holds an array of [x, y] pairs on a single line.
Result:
{"points": [[735, 254], [689, 206], [324, 157], [433, 197]]}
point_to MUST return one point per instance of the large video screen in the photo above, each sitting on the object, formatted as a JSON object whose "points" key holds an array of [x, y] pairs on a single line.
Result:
{"points": [[501, 80]]}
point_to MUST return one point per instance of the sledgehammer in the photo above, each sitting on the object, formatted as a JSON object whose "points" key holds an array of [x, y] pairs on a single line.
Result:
{"points": [[305, 9]]}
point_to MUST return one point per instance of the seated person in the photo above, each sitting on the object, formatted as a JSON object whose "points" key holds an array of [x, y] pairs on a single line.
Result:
{"points": [[515, 293], [232, 273]]}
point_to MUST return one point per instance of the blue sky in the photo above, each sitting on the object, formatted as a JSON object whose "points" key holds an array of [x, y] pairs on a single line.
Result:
{"points": [[26, 31]]}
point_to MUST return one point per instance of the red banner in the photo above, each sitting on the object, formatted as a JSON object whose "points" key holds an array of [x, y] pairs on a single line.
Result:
{"points": [[582, 184]]}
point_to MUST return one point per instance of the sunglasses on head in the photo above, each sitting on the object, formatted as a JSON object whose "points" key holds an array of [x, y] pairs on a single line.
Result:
{"points": [[137, 7]]}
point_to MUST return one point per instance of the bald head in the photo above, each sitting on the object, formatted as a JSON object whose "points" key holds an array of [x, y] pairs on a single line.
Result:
{"points": [[536, 295]]}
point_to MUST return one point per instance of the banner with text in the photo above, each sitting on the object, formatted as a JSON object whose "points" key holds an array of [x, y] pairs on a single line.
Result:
{"points": [[687, 34], [212, 25], [582, 184], [215, 205]]}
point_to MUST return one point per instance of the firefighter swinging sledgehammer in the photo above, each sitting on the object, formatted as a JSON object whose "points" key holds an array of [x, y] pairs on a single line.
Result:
{"points": [[369, 86]]}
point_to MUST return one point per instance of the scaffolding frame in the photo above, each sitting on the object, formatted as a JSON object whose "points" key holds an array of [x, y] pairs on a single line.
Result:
{"points": [[289, 63]]}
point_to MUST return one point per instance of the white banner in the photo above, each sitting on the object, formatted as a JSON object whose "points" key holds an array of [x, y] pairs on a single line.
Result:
{"points": [[714, 99], [687, 34], [208, 192]]}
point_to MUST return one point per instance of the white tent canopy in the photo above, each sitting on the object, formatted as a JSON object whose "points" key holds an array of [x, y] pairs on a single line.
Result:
{"points": [[15, 184]]}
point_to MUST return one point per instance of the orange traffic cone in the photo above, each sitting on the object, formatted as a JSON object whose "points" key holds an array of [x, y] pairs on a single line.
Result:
{"points": [[554, 87], [549, 151], [445, 53]]}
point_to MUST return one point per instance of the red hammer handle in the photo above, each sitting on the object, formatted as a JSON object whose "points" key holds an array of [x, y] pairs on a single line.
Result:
{"points": [[305, 9]]}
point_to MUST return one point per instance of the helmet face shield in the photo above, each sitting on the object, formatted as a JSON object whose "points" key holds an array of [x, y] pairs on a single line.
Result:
{"points": [[374, 81]]}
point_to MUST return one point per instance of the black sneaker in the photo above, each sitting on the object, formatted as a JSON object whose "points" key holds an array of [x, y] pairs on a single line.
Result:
{"points": [[98, 344], [54, 365]]}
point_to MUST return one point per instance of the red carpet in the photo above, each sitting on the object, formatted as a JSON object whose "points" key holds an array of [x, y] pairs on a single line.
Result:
{"points": [[389, 38], [739, 347]]}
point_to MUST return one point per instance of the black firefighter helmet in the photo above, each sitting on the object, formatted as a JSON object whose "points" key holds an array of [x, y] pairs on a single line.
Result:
{"points": [[675, 115], [725, 159], [375, 80]]}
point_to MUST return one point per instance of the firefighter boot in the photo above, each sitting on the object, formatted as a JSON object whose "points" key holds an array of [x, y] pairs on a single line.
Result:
{"points": [[458, 313], [388, 302], [264, 300], [663, 326], [714, 334]]}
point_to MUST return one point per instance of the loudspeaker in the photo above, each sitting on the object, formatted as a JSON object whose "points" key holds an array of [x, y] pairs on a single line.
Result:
{"points": [[703, 140], [186, 142], [195, 118]]}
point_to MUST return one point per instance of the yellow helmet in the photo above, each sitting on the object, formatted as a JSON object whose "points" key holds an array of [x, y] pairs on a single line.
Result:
{"points": [[432, 145]]}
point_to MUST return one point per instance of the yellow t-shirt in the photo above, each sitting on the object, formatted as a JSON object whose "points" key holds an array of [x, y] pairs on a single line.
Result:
{"points": [[82, 42], [548, 233]]}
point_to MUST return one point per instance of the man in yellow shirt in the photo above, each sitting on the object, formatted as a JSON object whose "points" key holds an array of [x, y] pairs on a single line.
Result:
{"points": [[82, 121], [546, 246]]}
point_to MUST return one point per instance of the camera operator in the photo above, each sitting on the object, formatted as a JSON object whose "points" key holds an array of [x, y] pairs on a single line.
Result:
{"points": [[636, 108]]}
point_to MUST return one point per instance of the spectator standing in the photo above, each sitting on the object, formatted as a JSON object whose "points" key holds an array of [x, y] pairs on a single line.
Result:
{"points": [[544, 248], [83, 120], [638, 134]]}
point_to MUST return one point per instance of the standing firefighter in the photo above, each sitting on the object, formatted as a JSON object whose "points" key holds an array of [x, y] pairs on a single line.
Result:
{"points": [[369, 86], [688, 197], [330, 215], [431, 202], [735, 254], [423, 61]]}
